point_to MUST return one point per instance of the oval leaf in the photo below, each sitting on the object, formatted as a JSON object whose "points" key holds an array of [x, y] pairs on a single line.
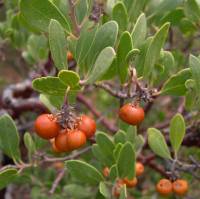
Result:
{"points": [[7, 176], [49, 85], [105, 143], [57, 43], [105, 36], [177, 131], [102, 64], [84, 172], [38, 14], [103, 189], [9, 138], [29, 143], [126, 161], [175, 85], [119, 14], [153, 52], [125, 46], [103, 158], [139, 31], [157, 143], [195, 69], [69, 78]]}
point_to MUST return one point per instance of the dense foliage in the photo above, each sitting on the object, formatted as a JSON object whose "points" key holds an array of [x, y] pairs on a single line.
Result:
{"points": [[106, 101]]}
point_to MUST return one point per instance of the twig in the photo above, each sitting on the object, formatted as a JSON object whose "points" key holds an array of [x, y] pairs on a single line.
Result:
{"points": [[72, 15], [90, 106], [115, 93], [57, 181], [69, 157]]}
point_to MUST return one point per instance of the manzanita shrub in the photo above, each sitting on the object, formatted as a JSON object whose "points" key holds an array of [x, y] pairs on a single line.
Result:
{"points": [[110, 105]]}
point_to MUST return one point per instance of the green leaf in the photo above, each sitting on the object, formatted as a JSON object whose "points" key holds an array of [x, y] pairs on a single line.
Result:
{"points": [[174, 16], [140, 59], [81, 9], [119, 14], [52, 102], [113, 172], [139, 143], [192, 10], [126, 161], [49, 86], [192, 98], [139, 31], [57, 44], [123, 192], [158, 144], [117, 150], [69, 78], [84, 43], [39, 13], [105, 143], [131, 134], [132, 55], [37, 47], [103, 158], [125, 46], [29, 143], [104, 190], [195, 69], [135, 9], [175, 85], [187, 27], [106, 36], [153, 52], [84, 172], [102, 64], [9, 138], [164, 7], [7, 176], [120, 137], [177, 131]]}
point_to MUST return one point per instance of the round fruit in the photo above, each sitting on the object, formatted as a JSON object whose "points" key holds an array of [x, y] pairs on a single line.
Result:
{"points": [[164, 187], [106, 171], [69, 56], [61, 141], [87, 125], [130, 183], [180, 187], [54, 148], [75, 139], [139, 167], [46, 126], [131, 114]]}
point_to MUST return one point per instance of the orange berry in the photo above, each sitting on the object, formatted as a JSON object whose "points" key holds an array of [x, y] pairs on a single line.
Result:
{"points": [[130, 183], [164, 187], [54, 148], [106, 171], [131, 114], [139, 167], [61, 141], [46, 126], [69, 56], [180, 187]]}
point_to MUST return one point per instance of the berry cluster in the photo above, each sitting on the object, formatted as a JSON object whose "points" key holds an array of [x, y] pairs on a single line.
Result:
{"points": [[65, 139], [165, 187]]}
